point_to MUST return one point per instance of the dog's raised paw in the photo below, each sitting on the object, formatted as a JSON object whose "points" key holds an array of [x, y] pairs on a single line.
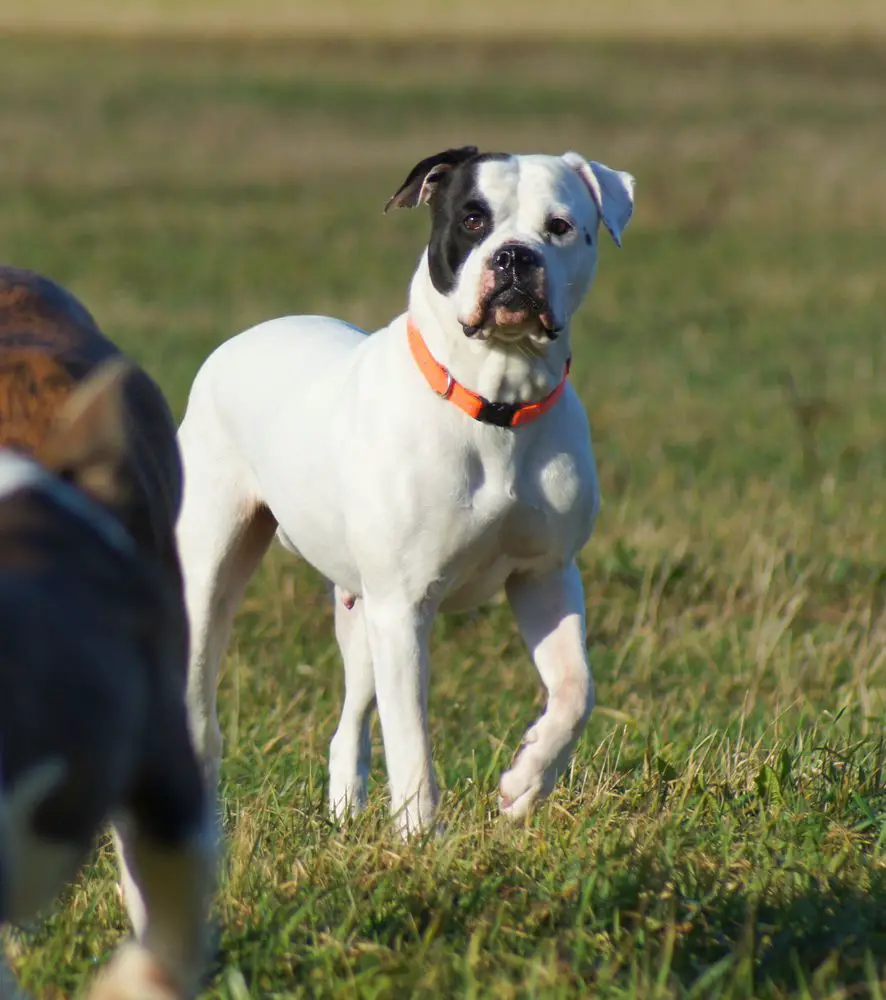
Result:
{"points": [[518, 792]]}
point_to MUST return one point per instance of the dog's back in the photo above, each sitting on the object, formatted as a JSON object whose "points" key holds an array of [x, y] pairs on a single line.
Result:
{"points": [[49, 343]]}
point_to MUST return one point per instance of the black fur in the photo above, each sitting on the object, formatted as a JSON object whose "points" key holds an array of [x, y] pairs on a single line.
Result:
{"points": [[455, 195], [85, 679], [407, 195]]}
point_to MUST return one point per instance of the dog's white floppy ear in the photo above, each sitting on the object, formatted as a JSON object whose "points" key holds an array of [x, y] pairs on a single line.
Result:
{"points": [[419, 185], [612, 191]]}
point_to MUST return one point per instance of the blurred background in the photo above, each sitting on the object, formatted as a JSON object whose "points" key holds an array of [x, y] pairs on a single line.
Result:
{"points": [[456, 18], [191, 167]]}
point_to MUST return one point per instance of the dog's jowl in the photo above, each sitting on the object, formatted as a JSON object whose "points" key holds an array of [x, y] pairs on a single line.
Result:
{"points": [[93, 724], [419, 469]]}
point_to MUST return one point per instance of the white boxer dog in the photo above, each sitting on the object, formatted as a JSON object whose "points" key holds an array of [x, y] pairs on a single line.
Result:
{"points": [[421, 468]]}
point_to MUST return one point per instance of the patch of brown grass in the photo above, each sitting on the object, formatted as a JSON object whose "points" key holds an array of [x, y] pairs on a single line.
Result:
{"points": [[457, 18]]}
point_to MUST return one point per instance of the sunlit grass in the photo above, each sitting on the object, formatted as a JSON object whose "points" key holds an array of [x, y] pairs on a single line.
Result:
{"points": [[721, 831]]}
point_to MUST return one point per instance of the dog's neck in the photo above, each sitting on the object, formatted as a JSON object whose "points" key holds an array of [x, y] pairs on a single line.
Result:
{"points": [[504, 373]]}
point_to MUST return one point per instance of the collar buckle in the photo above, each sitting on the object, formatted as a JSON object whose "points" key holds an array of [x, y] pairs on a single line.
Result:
{"points": [[498, 414]]}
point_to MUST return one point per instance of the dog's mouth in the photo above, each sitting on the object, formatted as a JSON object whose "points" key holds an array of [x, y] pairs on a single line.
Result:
{"points": [[512, 314]]}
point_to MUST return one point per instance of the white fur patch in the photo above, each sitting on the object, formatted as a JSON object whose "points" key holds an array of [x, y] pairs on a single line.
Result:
{"points": [[19, 473], [134, 974]]}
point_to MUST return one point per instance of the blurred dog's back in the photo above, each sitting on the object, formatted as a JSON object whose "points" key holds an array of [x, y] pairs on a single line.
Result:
{"points": [[94, 637]]}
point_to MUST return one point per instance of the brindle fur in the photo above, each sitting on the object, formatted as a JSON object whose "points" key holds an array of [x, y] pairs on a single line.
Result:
{"points": [[49, 343], [94, 637]]}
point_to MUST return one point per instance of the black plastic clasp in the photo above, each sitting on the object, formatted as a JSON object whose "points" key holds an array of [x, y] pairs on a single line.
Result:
{"points": [[498, 414]]}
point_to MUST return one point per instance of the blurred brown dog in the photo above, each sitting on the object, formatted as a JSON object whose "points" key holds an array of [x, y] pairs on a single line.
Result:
{"points": [[93, 640]]}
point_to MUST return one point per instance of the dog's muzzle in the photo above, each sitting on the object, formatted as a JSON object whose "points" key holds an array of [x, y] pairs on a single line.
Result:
{"points": [[516, 291]]}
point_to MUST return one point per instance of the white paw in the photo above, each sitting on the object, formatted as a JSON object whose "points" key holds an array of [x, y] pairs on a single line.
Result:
{"points": [[519, 790], [134, 974], [527, 781], [418, 816], [348, 775], [347, 798]]}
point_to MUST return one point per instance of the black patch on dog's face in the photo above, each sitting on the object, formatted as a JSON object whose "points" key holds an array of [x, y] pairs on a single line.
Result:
{"points": [[457, 198]]}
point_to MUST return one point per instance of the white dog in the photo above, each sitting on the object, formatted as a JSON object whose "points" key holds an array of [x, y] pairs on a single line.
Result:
{"points": [[418, 469]]}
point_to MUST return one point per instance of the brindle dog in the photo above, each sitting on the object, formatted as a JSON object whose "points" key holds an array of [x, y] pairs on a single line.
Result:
{"points": [[48, 344], [93, 639]]}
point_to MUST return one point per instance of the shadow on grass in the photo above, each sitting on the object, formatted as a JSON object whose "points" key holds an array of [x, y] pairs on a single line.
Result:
{"points": [[825, 933]]}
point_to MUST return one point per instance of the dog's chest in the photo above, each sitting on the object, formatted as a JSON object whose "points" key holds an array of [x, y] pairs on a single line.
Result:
{"points": [[543, 498], [508, 508], [514, 512]]}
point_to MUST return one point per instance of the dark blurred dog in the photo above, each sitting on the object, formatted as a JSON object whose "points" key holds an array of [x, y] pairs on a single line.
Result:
{"points": [[93, 640]]}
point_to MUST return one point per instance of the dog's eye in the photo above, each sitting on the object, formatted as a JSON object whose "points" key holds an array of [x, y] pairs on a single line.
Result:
{"points": [[558, 226], [473, 222]]}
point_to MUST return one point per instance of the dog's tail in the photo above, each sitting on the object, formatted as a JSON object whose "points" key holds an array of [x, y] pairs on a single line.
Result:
{"points": [[17, 807]]}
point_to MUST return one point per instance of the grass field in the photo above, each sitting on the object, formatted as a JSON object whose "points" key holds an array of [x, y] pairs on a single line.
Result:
{"points": [[722, 832], [411, 19]]}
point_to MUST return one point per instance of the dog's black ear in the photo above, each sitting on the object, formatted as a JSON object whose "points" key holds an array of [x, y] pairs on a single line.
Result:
{"points": [[419, 185], [87, 444]]}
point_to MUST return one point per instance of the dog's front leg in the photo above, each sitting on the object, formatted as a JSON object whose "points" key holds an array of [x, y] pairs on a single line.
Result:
{"points": [[398, 632], [167, 890], [167, 842], [550, 612]]}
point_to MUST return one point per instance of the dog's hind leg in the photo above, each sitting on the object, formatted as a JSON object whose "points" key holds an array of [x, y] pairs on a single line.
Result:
{"points": [[167, 890], [223, 532], [351, 748], [166, 841], [550, 613]]}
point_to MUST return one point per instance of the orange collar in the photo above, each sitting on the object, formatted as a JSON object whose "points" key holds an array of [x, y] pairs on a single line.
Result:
{"points": [[440, 379]]}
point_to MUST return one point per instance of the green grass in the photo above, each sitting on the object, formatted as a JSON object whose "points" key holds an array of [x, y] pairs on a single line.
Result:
{"points": [[722, 832]]}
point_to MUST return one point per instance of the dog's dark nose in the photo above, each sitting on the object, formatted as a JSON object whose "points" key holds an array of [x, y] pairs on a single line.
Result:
{"points": [[516, 257]]}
